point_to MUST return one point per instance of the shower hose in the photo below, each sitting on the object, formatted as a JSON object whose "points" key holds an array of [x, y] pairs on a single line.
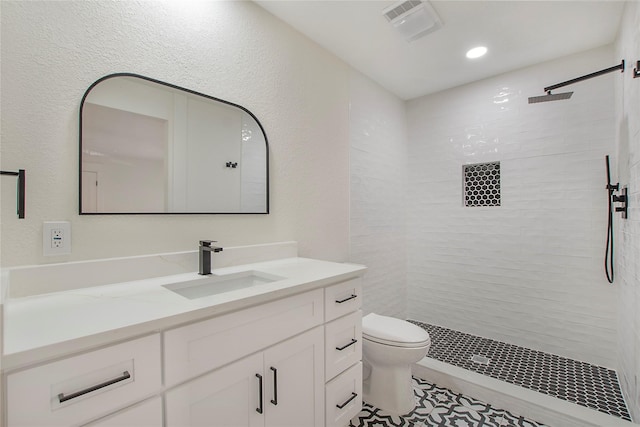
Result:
{"points": [[608, 254]]}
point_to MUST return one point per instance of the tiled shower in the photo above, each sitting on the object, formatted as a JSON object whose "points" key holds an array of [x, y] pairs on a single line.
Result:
{"points": [[528, 270]]}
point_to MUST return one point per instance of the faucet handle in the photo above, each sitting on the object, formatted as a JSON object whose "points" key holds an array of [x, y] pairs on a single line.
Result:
{"points": [[207, 242]]}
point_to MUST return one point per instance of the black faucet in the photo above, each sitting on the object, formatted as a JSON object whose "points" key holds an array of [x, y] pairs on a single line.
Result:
{"points": [[205, 256]]}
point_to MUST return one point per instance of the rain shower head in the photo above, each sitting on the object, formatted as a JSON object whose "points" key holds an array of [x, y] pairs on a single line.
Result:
{"points": [[550, 97], [567, 95]]}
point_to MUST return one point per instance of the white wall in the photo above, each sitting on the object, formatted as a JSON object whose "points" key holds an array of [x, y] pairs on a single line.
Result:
{"points": [[628, 231], [52, 51], [530, 271], [378, 158]]}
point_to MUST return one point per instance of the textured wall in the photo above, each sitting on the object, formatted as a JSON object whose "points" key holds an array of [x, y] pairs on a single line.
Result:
{"points": [[530, 271], [628, 231], [52, 51], [378, 159]]}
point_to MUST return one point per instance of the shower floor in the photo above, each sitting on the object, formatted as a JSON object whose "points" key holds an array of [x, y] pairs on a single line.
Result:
{"points": [[584, 384]]}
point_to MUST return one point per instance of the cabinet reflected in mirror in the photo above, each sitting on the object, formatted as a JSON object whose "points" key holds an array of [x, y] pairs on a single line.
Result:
{"points": [[151, 147]]}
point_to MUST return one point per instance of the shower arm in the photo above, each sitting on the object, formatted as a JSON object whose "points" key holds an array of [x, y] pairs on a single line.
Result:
{"points": [[620, 67]]}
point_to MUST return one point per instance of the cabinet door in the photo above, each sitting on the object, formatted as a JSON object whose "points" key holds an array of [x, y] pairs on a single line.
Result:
{"points": [[294, 387], [227, 397]]}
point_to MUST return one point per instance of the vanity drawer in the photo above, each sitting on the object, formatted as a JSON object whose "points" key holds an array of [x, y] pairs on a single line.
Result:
{"points": [[343, 343], [342, 298], [86, 386], [344, 397], [147, 414], [200, 347]]}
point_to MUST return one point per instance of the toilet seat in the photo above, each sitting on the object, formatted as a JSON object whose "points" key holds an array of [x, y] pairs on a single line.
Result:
{"points": [[393, 332]]}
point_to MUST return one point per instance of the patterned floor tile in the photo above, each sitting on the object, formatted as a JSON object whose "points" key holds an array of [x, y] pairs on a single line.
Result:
{"points": [[440, 407]]}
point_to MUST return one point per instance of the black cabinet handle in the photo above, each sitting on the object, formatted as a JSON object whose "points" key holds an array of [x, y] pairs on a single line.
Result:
{"points": [[259, 409], [62, 398], [353, 341], [346, 299], [275, 386], [353, 396]]}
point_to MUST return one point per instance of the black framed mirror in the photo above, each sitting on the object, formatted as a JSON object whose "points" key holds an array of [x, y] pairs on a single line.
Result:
{"points": [[150, 147]]}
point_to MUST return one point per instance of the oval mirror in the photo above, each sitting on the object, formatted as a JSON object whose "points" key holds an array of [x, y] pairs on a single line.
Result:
{"points": [[152, 147]]}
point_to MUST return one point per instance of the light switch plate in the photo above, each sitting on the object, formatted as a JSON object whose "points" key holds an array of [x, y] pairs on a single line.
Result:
{"points": [[56, 238]]}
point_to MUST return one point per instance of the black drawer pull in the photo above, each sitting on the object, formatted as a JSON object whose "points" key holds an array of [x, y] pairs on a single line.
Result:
{"points": [[346, 299], [62, 398], [275, 386], [353, 396], [347, 345], [259, 410]]}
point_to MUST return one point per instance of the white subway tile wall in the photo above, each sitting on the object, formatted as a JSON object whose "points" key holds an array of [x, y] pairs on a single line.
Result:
{"points": [[378, 157], [528, 272], [628, 231]]}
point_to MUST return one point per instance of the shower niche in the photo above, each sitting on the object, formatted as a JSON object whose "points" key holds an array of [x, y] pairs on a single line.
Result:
{"points": [[481, 184]]}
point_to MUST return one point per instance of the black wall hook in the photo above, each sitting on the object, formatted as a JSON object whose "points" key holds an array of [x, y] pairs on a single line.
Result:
{"points": [[636, 71], [21, 189]]}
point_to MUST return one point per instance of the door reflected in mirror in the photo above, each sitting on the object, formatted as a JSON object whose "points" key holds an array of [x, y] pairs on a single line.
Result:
{"points": [[151, 147]]}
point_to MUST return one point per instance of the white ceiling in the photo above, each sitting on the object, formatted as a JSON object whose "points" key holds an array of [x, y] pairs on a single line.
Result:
{"points": [[517, 33]]}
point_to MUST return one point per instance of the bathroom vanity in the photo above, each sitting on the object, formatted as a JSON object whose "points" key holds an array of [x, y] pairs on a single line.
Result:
{"points": [[269, 339]]}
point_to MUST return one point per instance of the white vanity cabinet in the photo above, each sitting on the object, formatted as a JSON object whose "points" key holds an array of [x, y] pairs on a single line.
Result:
{"points": [[281, 386], [260, 366], [343, 352], [286, 356]]}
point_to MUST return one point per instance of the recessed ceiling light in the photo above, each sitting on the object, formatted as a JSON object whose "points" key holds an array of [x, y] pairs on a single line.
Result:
{"points": [[476, 52]]}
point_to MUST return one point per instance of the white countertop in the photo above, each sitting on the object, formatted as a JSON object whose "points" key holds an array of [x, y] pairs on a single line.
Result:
{"points": [[41, 327]]}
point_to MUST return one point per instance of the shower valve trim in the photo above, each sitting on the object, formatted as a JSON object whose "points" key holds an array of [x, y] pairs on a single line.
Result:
{"points": [[621, 199]]}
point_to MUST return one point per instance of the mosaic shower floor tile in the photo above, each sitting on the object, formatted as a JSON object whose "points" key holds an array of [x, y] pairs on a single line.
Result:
{"points": [[440, 407], [584, 384]]}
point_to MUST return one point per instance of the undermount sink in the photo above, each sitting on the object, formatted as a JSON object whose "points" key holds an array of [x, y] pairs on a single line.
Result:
{"points": [[218, 284]]}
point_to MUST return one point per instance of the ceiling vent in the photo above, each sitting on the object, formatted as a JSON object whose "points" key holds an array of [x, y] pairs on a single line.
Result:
{"points": [[413, 18]]}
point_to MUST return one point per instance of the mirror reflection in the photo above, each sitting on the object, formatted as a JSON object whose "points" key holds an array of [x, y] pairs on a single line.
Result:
{"points": [[151, 147]]}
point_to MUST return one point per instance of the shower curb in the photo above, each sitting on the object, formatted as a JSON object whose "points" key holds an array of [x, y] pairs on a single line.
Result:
{"points": [[528, 403]]}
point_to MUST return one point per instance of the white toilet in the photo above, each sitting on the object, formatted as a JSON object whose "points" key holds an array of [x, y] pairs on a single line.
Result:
{"points": [[389, 347]]}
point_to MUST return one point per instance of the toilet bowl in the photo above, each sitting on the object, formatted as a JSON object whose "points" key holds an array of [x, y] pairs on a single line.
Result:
{"points": [[389, 347]]}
